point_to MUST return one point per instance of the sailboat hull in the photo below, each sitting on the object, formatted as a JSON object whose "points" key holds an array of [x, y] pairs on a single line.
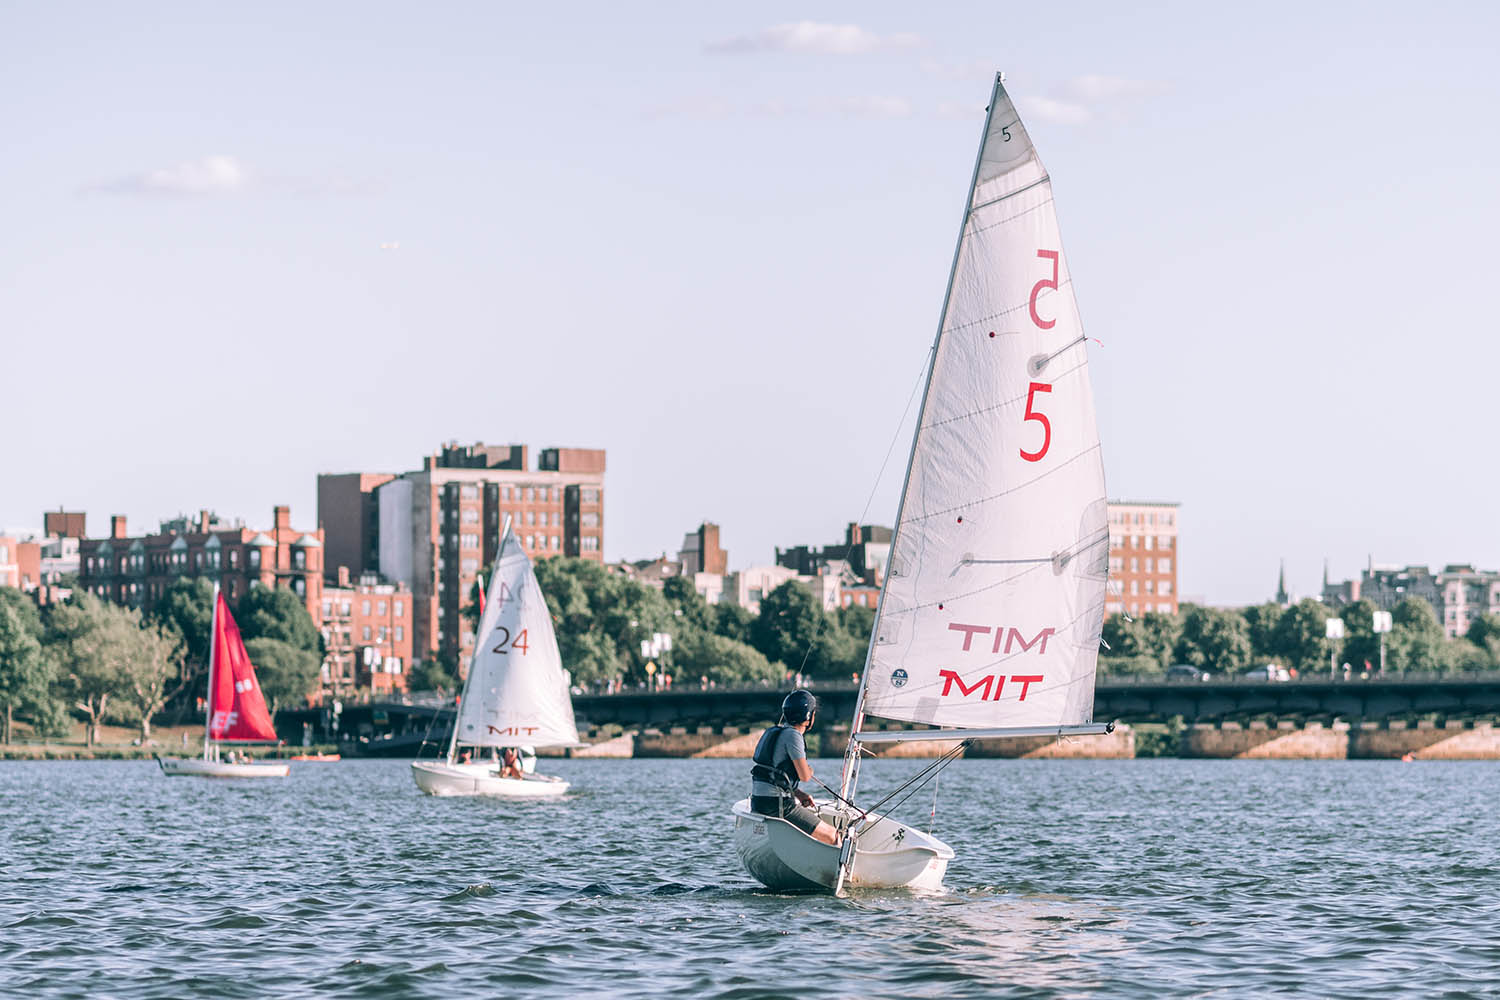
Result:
{"points": [[888, 855], [197, 767], [439, 778]]}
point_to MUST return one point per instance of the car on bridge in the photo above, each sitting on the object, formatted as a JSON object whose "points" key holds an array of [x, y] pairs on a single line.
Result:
{"points": [[1267, 672], [1186, 672]]}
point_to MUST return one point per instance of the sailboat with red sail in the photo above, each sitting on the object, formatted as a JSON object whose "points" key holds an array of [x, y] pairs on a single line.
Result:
{"points": [[236, 710]]}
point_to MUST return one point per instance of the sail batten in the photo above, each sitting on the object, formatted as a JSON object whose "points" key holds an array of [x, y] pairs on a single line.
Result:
{"points": [[993, 604]]}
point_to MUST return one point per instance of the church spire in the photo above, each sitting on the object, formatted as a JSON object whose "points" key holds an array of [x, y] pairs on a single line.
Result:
{"points": [[1281, 594]]}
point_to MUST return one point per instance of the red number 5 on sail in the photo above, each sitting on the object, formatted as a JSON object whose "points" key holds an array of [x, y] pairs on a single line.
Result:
{"points": [[1041, 418], [1036, 289]]}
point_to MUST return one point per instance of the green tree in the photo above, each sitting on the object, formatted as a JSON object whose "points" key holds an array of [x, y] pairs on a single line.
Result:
{"points": [[732, 622], [92, 643], [187, 605], [25, 608], [789, 626], [25, 674], [721, 660], [1159, 634], [1263, 620], [601, 617], [1484, 632], [688, 606], [278, 613], [287, 674], [1361, 644], [1123, 637], [1214, 640], [154, 672], [1417, 641], [857, 622], [1301, 637]]}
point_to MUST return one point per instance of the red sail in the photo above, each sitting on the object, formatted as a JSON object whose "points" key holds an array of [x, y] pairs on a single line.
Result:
{"points": [[238, 712]]}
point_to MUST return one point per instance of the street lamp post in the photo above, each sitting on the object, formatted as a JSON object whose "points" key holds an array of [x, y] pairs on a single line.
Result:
{"points": [[1380, 625]]}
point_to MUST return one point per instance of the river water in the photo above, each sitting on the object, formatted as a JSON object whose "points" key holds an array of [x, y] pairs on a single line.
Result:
{"points": [[1158, 878]]}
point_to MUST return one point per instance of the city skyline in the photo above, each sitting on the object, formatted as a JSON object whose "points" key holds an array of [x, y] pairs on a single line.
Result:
{"points": [[714, 245]]}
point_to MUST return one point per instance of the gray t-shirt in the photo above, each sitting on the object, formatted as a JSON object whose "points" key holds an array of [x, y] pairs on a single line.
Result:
{"points": [[789, 746]]}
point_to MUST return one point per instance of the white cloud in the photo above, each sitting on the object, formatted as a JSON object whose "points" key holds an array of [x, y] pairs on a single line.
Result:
{"points": [[960, 111], [813, 36], [715, 108], [1050, 109], [206, 176], [1092, 88]]}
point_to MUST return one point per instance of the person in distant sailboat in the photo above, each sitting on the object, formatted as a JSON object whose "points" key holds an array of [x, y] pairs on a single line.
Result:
{"points": [[510, 764], [780, 763]]}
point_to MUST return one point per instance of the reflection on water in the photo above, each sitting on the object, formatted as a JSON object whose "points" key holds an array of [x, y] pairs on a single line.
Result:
{"points": [[1125, 878]]}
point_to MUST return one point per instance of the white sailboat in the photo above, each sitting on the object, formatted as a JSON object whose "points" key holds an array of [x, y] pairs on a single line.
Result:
{"points": [[235, 712], [989, 620], [516, 693]]}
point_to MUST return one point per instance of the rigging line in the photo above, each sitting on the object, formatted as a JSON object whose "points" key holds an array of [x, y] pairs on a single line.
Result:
{"points": [[912, 784], [927, 358]]}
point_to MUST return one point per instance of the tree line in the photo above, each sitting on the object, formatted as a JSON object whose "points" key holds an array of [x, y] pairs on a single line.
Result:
{"points": [[1229, 641], [107, 663], [601, 616]]}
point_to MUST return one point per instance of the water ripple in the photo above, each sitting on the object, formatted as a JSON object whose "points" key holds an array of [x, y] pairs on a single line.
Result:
{"points": [[1151, 878]]}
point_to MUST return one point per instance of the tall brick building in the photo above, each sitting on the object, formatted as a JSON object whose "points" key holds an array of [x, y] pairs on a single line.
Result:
{"points": [[1143, 556], [136, 570], [437, 527]]}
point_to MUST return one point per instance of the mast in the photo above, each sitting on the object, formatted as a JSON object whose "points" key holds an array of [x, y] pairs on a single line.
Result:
{"points": [[851, 755], [213, 647], [468, 677]]}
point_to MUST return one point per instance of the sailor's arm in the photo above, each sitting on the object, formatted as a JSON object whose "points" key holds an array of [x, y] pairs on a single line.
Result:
{"points": [[804, 773]]}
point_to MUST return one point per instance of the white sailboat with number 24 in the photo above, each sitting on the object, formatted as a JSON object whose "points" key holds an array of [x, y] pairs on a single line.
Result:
{"points": [[516, 693]]}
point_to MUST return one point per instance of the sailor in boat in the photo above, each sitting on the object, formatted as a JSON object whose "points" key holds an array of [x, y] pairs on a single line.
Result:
{"points": [[780, 762], [510, 764]]}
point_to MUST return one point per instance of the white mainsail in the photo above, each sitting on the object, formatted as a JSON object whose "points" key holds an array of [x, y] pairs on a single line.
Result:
{"points": [[517, 692], [994, 598]]}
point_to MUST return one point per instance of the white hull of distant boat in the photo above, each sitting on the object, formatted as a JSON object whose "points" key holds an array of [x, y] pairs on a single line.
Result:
{"points": [[199, 768], [888, 855], [439, 778]]}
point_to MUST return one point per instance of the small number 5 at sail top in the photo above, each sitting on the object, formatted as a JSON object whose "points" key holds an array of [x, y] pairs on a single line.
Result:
{"points": [[994, 598]]}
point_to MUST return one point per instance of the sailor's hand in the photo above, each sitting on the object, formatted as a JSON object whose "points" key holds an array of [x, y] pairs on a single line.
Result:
{"points": [[804, 798]]}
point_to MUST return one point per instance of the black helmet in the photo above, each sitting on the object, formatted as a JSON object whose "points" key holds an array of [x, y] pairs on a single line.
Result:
{"points": [[799, 706]]}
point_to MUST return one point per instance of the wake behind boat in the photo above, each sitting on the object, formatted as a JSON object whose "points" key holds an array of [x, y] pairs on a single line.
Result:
{"points": [[516, 692], [993, 602], [236, 711]]}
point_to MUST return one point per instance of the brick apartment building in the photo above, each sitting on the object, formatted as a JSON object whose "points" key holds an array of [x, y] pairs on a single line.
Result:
{"points": [[434, 529], [136, 570], [367, 632], [1142, 557], [20, 563]]}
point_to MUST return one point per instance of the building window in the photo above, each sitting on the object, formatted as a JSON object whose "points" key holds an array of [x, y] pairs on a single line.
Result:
{"points": [[380, 607], [255, 558], [364, 609], [327, 609], [469, 492], [400, 609], [1135, 565], [530, 517], [531, 494], [554, 543], [381, 636], [588, 495], [1150, 541], [531, 541], [470, 516], [300, 586], [590, 544], [589, 520], [299, 559], [364, 633], [1164, 565], [400, 633], [1166, 587], [469, 566], [556, 520], [1150, 586], [345, 608], [470, 541]]}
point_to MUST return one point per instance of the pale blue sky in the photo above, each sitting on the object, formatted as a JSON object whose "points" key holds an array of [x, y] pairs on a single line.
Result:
{"points": [[713, 240]]}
